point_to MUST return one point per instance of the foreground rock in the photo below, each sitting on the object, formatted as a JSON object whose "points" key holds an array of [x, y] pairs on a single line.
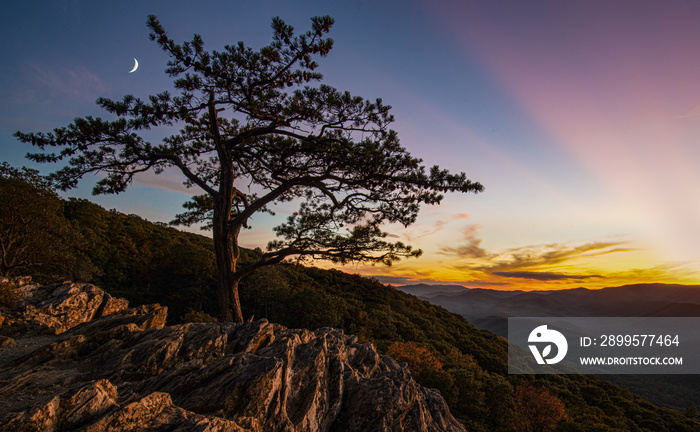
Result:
{"points": [[54, 309], [123, 370]]}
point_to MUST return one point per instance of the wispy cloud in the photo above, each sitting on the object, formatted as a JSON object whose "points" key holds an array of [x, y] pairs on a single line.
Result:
{"points": [[695, 112], [77, 83], [522, 257], [408, 280], [546, 255], [542, 275], [536, 262], [470, 247], [438, 226], [537, 267], [170, 180]]}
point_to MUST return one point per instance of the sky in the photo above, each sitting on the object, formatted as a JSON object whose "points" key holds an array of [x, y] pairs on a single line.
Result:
{"points": [[580, 118]]}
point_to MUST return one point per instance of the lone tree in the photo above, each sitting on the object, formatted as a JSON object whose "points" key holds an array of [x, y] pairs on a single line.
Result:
{"points": [[253, 132]]}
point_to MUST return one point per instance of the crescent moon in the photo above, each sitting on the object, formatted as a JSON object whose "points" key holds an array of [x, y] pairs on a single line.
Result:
{"points": [[136, 66]]}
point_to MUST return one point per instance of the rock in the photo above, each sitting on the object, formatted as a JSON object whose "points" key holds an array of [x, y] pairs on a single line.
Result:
{"points": [[68, 413], [53, 309], [153, 412], [126, 371], [64, 306]]}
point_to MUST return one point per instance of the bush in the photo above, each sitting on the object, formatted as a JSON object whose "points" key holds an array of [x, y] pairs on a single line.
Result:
{"points": [[194, 316]]}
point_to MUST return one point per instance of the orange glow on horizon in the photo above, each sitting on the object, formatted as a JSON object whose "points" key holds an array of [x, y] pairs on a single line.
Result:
{"points": [[592, 266]]}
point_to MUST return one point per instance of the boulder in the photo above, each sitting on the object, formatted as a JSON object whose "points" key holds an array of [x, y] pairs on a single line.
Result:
{"points": [[64, 306], [53, 309]]}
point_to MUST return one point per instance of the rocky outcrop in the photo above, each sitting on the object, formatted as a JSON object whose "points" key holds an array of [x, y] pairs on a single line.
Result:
{"points": [[122, 369], [54, 309]]}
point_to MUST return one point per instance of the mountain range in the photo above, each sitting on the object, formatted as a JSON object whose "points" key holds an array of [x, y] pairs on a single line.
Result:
{"points": [[490, 309]]}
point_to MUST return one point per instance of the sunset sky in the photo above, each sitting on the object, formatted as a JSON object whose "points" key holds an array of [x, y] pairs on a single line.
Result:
{"points": [[581, 119]]}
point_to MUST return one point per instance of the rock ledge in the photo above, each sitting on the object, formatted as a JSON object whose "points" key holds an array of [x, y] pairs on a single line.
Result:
{"points": [[82, 360]]}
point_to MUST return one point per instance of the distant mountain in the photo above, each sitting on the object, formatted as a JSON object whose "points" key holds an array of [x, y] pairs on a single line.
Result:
{"points": [[429, 291], [425, 290], [488, 309]]}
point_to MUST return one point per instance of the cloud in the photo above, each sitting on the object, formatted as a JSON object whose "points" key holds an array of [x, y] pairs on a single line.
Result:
{"points": [[438, 226], [470, 248], [546, 255], [535, 262], [408, 280], [76, 82], [171, 179], [542, 276], [485, 283], [695, 112]]}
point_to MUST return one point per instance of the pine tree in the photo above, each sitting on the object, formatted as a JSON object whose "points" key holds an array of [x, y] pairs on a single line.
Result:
{"points": [[255, 132]]}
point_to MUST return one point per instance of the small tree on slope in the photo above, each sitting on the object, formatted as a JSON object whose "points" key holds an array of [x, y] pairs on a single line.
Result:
{"points": [[254, 133]]}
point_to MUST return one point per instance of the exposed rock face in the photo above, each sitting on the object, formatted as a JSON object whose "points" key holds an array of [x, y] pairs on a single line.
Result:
{"points": [[53, 309], [121, 369]]}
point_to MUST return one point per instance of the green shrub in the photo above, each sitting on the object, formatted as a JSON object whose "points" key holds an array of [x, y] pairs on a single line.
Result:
{"points": [[195, 316]]}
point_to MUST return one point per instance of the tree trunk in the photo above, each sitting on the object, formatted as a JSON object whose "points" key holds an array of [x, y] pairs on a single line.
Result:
{"points": [[226, 258], [229, 303], [225, 238], [227, 290]]}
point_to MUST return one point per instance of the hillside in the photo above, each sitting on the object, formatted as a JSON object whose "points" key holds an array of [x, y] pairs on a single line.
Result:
{"points": [[148, 263], [629, 300], [490, 309]]}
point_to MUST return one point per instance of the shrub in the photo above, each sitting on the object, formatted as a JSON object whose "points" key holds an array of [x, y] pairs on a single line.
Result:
{"points": [[195, 316]]}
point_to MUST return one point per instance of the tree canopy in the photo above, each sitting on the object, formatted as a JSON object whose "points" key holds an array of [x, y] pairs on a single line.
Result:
{"points": [[256, 129], [34, 238]]}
